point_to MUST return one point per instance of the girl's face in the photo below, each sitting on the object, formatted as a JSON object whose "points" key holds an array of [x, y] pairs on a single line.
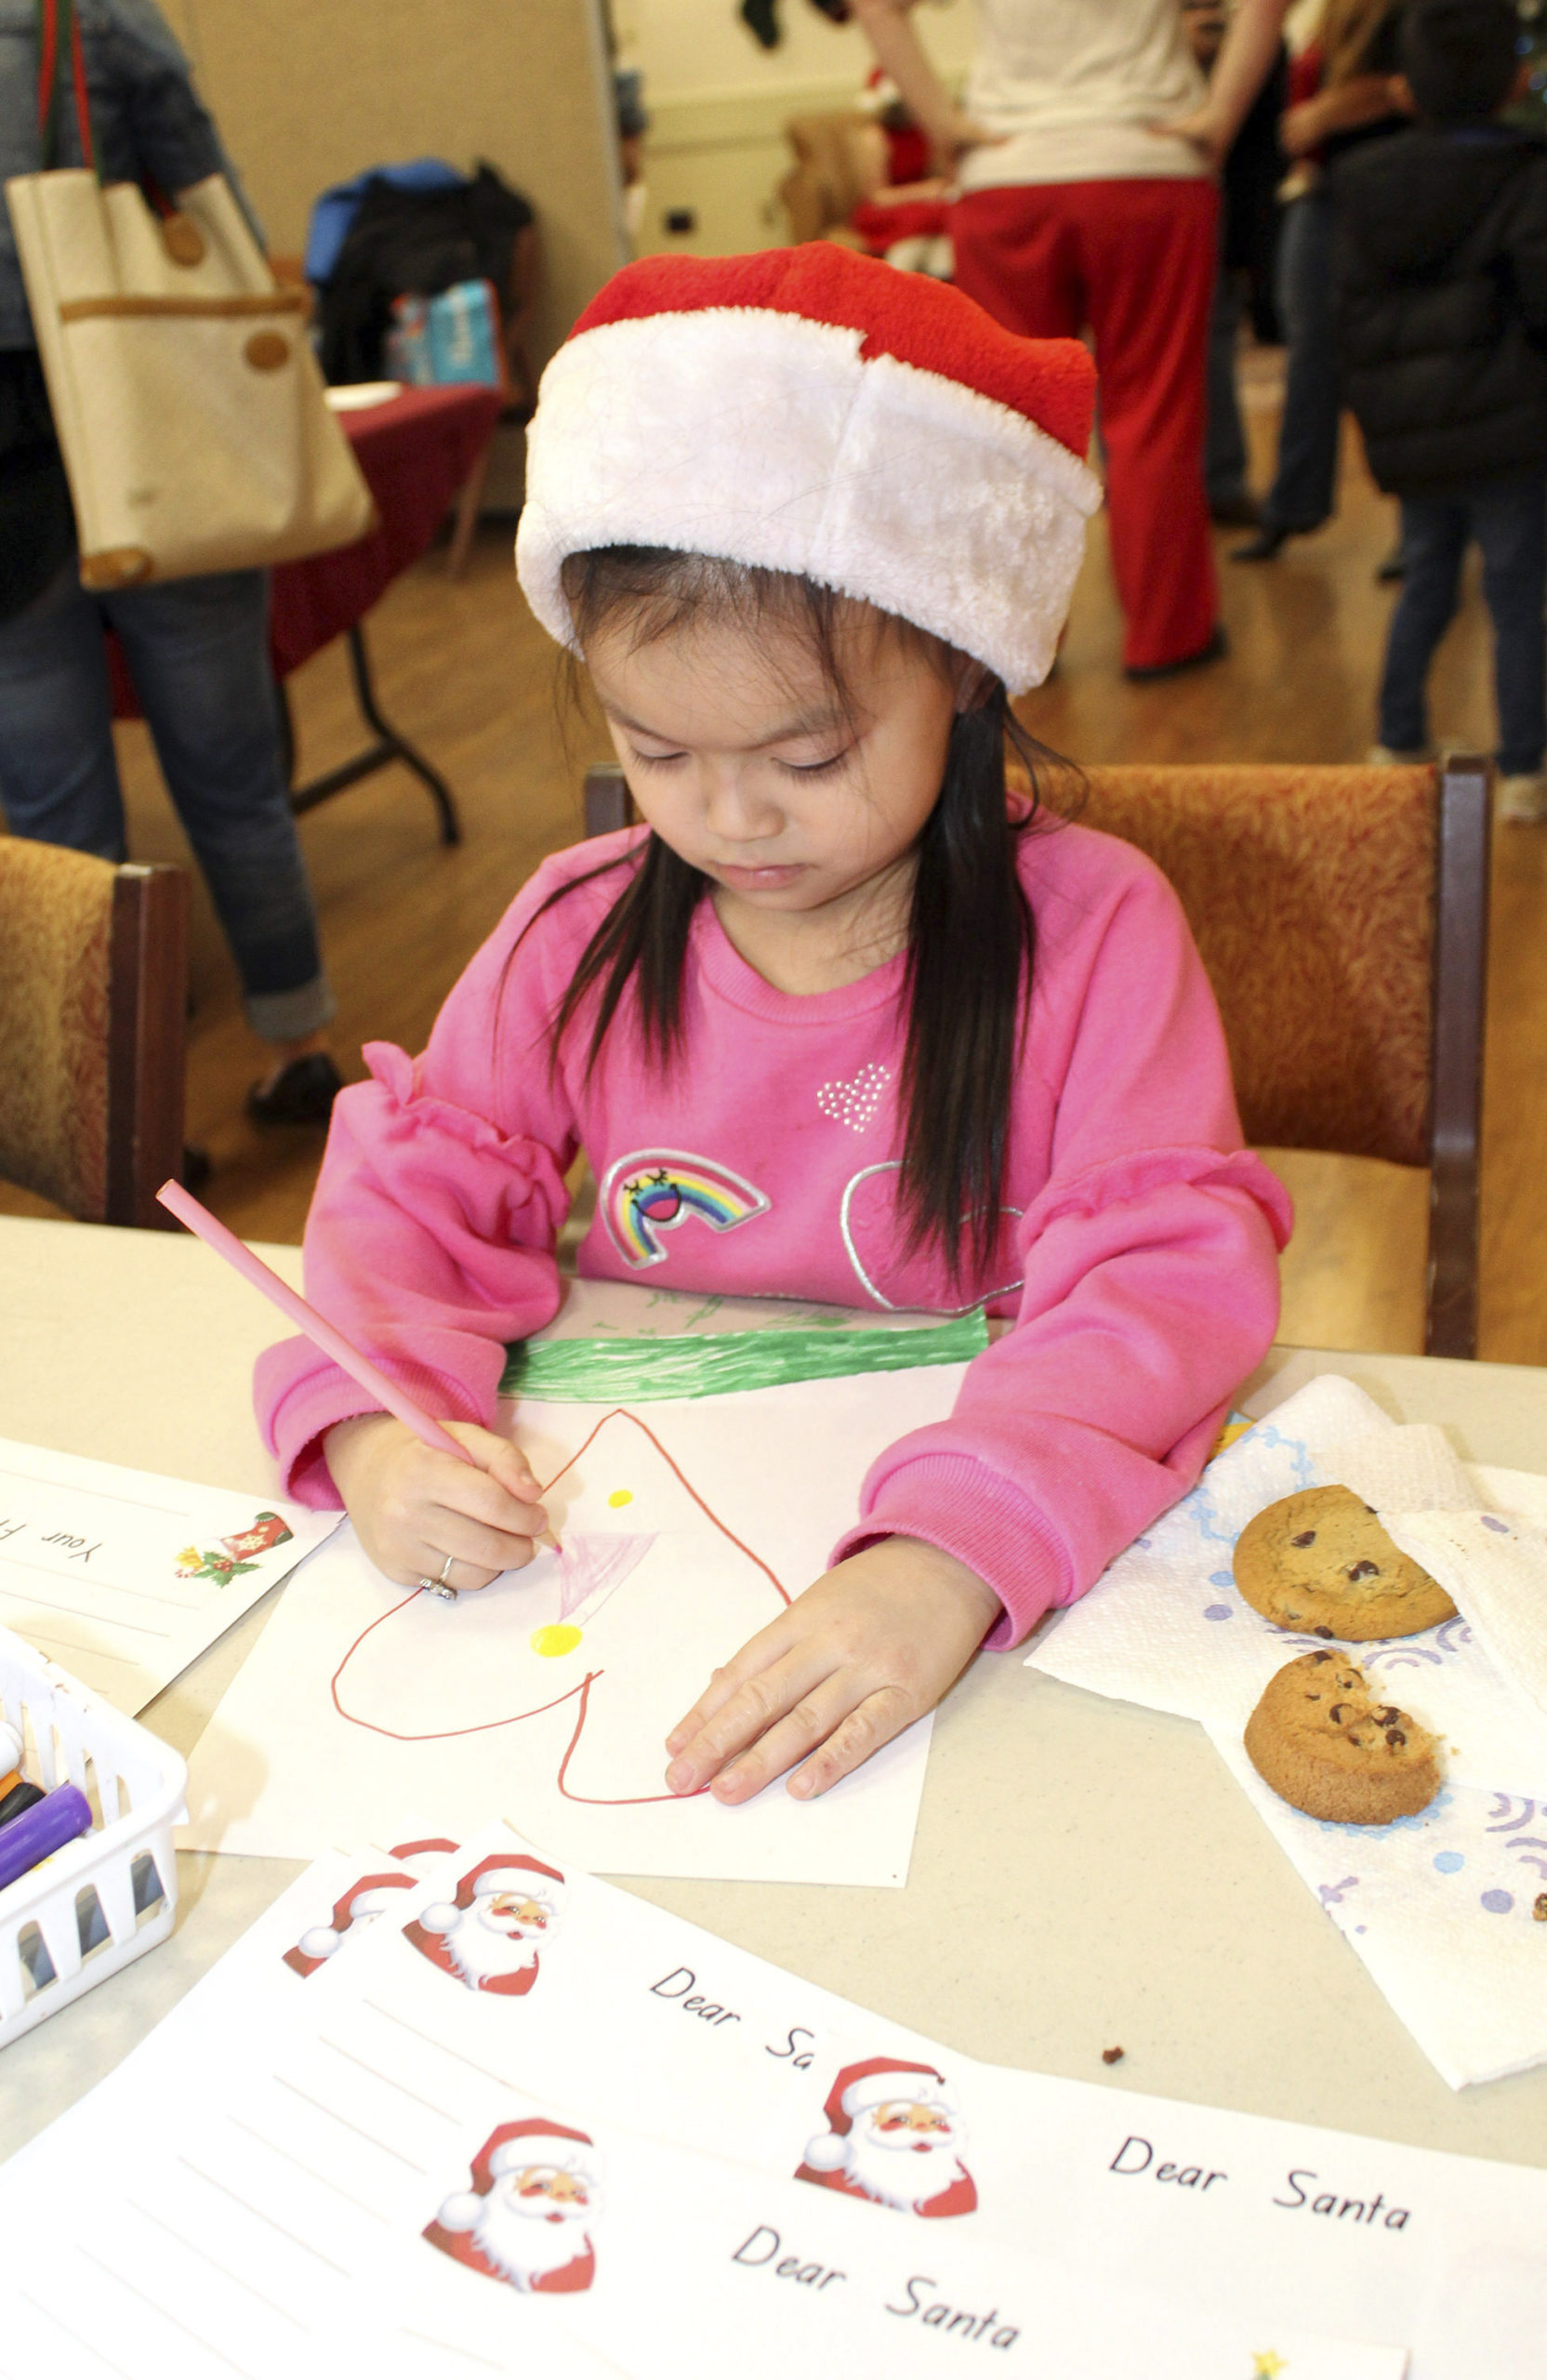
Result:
{"points": [[742, 757]]}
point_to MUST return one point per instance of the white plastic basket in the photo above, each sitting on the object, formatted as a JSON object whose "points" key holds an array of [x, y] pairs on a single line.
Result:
{"points": [[98, 1903]]}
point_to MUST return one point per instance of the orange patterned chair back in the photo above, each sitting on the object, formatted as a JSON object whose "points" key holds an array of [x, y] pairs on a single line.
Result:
{"points": [[93, 973], [1311, 892]]}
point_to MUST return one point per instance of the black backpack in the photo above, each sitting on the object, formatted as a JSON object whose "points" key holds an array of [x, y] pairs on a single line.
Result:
{"points": [[416, 242]]}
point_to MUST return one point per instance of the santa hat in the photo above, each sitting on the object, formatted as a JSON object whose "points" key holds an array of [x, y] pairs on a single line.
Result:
{"points": [[814, 411], [534, 2140], [872, 2083], [504, 1871], [367, 1897]]}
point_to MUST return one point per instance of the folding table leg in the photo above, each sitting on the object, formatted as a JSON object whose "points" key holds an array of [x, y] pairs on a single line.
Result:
{"points": [[390, 745]]}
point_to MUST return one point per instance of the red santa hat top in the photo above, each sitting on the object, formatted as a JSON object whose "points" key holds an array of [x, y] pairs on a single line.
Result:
{"points": [[534, 2140], [814, 411], [506, 1872], [872, 2083], [366, 1897], [509, 2149], [503, 1871]]}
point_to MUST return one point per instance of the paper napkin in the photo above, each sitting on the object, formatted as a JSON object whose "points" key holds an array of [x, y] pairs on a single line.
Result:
{"points": [[1439, 1907], [1166, 1626]]}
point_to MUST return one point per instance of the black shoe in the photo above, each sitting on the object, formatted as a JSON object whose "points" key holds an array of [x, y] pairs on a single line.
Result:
{"points": [[1238, 511], [1264, 545], [303, 1093], [1147, 672], [1394, 569], [196, 1170]]}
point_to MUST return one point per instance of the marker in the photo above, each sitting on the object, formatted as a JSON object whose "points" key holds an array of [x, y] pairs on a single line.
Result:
{"points": [[54, 1819], [316, 1327], [16, 1794]]}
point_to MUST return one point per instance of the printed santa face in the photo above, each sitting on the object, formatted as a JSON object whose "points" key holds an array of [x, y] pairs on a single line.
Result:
{"points": [[490, 1936], [367, 1897], [894, 2136], [525, 2220]]}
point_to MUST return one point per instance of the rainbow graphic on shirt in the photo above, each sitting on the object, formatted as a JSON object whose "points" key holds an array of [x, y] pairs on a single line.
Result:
{"points": [[653, 1190]]}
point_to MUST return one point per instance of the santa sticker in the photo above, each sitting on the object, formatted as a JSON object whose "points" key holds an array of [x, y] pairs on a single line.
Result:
{"points": [[527, 2216], [368, 1896], [894, 2136], [489, 1937]]}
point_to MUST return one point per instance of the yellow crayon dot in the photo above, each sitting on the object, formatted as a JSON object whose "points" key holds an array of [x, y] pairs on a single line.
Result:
{"points": [[621, 1496], [557, 1638]]}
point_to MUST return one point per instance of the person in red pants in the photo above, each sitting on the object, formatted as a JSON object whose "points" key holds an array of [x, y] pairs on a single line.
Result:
{"points": [[1085, 160]]}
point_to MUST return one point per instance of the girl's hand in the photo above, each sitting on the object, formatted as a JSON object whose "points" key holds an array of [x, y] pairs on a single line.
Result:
{"points": [[867, 1650], [411, 1506]]}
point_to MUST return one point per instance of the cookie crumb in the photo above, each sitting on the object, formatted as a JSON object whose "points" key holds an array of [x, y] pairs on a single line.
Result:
{"points": [[1538, 1910], [1110, 2057]]}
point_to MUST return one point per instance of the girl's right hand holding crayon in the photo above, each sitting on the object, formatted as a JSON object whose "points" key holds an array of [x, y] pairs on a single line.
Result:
{"points": [[414, 1509]]}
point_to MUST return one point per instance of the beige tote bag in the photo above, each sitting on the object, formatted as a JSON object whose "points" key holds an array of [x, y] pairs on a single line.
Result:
{"points": [[188, 402]]}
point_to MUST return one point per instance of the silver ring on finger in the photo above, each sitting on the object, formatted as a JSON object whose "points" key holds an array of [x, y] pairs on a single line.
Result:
{"points": [[441, 1586]]}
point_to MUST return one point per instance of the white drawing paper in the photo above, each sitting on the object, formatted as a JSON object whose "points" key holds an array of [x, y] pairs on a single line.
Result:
{"points": [[122, 1577], [684, 1528]]}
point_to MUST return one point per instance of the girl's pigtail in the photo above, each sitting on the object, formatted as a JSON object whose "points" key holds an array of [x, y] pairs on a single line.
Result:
{"points": [[970, 943]]}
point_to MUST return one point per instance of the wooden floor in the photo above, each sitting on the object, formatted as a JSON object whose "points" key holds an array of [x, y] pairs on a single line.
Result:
{"points": [[466, 675]]}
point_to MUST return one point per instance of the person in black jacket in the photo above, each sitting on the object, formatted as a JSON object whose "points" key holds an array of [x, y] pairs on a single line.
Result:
{"points": [[1441, 298]]}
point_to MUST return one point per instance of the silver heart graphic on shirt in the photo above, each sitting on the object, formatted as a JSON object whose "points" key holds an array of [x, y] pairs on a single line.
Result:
{"points": [[893, 1165]]}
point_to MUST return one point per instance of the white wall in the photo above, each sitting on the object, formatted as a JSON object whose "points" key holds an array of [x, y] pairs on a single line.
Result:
{"points": [[691, 47], [719, 103]]}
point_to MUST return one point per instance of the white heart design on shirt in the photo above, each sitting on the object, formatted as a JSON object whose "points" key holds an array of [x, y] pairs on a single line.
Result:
{"points": [[853, 1103]]}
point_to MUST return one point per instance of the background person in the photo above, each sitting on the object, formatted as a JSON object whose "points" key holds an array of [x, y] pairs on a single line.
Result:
{"points": [[1441, 287], [1249, 239], [1343, 94], [197, 648], [1078, 212]]}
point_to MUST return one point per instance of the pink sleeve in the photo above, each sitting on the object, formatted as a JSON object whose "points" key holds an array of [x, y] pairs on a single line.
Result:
{"points": [[431, 1235], [1151, 1291]]}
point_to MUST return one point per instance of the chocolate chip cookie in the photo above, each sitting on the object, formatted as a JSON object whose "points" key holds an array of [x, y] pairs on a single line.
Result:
{"points": [[1324, 1743], [1320, 1562]]}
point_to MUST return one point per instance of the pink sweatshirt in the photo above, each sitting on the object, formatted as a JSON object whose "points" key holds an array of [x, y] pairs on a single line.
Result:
{"points": [[1137, 1259]]}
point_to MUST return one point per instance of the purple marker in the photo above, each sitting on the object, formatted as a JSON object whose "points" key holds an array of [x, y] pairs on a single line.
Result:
{"points": [[45, 1827]]}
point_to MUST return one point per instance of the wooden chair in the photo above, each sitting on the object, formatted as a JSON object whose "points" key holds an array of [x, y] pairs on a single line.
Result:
{"points": [[93, 985], [1343, 916]]}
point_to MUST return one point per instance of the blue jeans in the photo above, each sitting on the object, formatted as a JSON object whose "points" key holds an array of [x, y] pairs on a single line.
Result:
{"points": [[1301, 496], [198, 653], [1508, 518]]}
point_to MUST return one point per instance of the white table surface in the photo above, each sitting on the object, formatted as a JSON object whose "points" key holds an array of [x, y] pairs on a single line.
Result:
{"points": [[1084, 1874]]}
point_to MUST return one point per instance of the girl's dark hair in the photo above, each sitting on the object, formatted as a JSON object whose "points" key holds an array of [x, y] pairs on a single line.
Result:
{"points": [[971, 931]]}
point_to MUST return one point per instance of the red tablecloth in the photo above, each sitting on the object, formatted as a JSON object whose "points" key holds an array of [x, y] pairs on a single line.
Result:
{"points": [[416, 452]]}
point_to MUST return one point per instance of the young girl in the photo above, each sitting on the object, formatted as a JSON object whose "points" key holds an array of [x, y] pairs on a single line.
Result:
{"points": [[837, 1022]]}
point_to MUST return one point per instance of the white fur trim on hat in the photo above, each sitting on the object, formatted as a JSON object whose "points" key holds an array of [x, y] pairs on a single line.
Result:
{"points": [[319, 1942], [520, 1881], [914, 2090], [540, 2148], [767, 438]]}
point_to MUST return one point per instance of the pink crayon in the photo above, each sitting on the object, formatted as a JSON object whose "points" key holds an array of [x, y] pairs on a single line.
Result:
{"points": [[316, 1327], [306, 1318]]}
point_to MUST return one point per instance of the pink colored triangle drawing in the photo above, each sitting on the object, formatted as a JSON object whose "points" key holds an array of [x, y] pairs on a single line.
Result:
{"points": [[593, 1566]]}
